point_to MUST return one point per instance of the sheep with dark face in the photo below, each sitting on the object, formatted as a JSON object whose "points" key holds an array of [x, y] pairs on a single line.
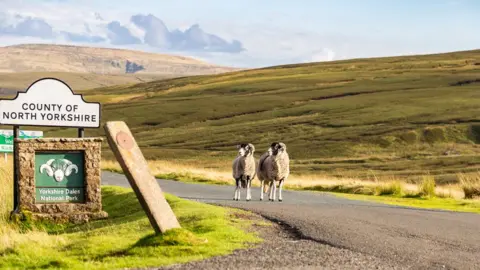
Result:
{"points": [[244, 170], [275, 168]]}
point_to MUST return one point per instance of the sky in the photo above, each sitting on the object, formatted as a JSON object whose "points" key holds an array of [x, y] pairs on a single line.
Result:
{"points": [[249, 33]]}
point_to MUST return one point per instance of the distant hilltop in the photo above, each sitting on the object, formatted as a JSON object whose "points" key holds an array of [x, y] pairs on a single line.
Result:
{"points": [[79, 59]]}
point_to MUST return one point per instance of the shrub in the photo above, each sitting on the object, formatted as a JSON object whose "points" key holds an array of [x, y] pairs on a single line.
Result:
{"points": [[475, 133], [409, 137], [435, 134]]}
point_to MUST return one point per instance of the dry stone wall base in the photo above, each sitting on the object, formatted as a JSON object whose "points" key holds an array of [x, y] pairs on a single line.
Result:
{"points": [[59, 212]]}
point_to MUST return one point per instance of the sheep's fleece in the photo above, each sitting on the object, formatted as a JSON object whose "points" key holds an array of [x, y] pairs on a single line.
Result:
{"points": [[277, 166], [244, 165]]}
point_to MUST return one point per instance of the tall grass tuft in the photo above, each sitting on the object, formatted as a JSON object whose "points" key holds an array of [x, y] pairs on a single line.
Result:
{"points": [[6, 191], [427, 186], [470, 185], [393, 188]]}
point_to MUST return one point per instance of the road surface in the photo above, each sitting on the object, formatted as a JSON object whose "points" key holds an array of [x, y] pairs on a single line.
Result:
{"points": [[406, 238]]}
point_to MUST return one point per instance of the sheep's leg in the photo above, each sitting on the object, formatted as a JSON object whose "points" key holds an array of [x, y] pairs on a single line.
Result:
{"points": [[270, 196], [280, 190], [236, 196], [249, 183], [274, 187], [262, 185]]}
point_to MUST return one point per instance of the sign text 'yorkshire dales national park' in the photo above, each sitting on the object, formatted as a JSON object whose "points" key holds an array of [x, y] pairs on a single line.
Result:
{"points": [[49, 102]]}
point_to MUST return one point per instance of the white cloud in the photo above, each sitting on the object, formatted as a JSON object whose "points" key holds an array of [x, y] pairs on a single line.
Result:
{"points": [[265, 44]]}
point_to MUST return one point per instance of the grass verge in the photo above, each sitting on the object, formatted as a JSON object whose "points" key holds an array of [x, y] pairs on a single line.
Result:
{"points": [[420, 202], [126, 239]]}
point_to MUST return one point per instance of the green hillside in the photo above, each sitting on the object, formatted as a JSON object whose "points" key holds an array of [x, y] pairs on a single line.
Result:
{"points": [[400, 116]]}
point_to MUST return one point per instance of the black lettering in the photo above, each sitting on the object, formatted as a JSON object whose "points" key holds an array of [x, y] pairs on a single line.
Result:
{"points": [[43, 116], [56, 117], [68, 108], [33, 116], [94, 118], [59, 107], [69, 117], [49, 116], [87, 118], [20, 116], [77, 118], [23, 106], [63, 117], [46, 107], [31, 106], [6, 115]]}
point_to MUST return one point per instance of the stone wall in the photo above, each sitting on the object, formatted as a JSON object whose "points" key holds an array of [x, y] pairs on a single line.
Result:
{"points": [[72, 212]]}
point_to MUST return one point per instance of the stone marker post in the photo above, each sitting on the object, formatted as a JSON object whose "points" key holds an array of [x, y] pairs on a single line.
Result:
{"points": [[142, 181]]}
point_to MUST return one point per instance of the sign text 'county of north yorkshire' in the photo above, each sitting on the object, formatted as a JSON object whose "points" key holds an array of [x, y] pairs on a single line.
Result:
{"points": [[49, 102]]}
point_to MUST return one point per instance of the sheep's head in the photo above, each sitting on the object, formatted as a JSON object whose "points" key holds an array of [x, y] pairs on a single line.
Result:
{"points": [[58, 169], [276, 148], [245, 149]]}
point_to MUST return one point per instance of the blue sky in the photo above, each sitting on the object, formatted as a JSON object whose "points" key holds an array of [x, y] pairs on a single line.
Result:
{"points": [[249, 33]]}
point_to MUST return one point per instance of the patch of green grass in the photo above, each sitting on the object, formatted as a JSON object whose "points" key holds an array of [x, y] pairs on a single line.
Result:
{"points": [[126, 238], [420, 202]]}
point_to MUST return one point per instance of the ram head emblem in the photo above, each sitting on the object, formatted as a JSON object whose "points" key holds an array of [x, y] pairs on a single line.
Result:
{"points": [[59, 169]]}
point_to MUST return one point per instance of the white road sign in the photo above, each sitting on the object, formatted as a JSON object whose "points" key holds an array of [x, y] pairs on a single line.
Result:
{"points": [[49, 102]]}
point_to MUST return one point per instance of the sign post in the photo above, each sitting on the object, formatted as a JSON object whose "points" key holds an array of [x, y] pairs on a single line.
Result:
{"points": [[56, 178]]}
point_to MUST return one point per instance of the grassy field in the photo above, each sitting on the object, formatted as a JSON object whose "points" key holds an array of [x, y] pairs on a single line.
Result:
{"points": [[369, 119], [78, 81], [124, 240], [397, 117]]}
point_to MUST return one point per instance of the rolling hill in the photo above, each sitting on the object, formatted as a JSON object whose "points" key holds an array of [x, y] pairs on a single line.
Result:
{"points": [[89, 67], [394, 116]]}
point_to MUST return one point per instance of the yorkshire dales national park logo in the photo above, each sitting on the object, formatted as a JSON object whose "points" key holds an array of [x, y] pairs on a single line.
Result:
{"points": [[58, 168]]}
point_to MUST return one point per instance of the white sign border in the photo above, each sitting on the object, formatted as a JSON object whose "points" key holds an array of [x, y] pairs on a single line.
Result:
{"points": [[73, 93]]}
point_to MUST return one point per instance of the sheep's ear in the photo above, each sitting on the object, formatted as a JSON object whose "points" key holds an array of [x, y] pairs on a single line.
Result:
{"points": [[238, 146]]}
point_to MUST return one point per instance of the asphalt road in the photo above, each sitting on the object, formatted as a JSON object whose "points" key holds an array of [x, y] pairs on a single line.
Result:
{"points": [[407, 238]]}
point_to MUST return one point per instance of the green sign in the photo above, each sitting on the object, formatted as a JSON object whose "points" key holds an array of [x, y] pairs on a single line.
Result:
{"points": [[59, 177], [6, 138]]}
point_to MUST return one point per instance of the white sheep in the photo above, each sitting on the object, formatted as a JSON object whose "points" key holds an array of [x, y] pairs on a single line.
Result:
{"points": [[276, 168], [244, 170], [262, 173]]}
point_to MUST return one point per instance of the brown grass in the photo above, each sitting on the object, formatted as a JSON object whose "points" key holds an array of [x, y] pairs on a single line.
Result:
{"points": [[470, 184], [10, 236]]}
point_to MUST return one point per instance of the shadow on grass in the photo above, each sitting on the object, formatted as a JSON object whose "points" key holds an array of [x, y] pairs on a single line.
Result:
{"points": [[178, 238]]}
